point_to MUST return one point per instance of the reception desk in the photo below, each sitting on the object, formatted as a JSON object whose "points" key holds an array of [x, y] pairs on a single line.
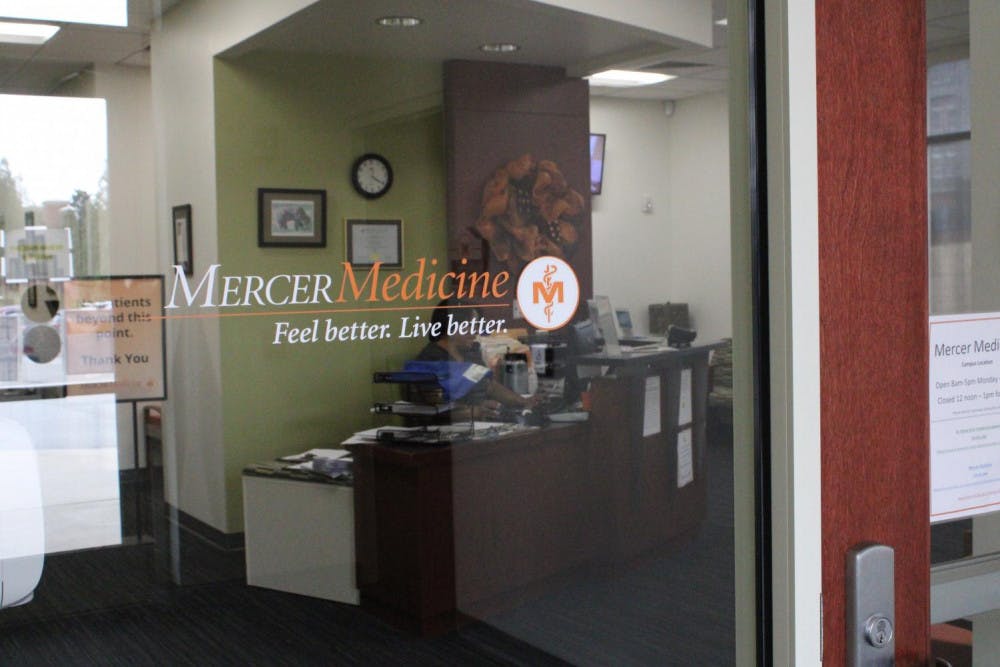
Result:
{"points": [[461, 530]]}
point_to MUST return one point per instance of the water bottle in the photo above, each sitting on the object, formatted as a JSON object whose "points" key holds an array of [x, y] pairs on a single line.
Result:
{"points": [[515, 372]]}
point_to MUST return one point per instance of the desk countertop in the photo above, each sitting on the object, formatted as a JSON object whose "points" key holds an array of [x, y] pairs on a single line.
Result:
{"points": [[419, 455]]}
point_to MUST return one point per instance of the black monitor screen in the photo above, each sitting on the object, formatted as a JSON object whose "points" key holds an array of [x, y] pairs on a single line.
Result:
{"points": [[596, 163]]}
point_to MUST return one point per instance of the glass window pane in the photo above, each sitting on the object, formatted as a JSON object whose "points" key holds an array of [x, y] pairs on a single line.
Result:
{"points": [[948, 101], [950, 227]]}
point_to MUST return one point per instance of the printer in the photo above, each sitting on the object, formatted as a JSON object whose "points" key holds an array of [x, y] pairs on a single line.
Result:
{"points": [[22, 525]]}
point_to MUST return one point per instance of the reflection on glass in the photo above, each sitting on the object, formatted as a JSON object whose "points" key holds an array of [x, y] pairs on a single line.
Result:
{"points": [[39, 303], [42, 344], [573, 502]]}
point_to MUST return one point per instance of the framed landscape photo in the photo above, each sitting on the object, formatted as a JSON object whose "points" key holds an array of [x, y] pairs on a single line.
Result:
{"points": [[183, 253], [370, 241], [292, 218]]}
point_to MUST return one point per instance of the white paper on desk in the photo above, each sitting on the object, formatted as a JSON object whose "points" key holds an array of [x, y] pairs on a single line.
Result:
{"points": [[684, 407], [328, 453], [685, 459], [651, 424]]}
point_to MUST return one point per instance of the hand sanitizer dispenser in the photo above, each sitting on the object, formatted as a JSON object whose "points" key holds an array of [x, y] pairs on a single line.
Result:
{"points": [[22, 525]]}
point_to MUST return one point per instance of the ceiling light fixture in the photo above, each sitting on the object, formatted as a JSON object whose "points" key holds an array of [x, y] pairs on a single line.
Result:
{"points": [[620, 78], [26, 33], [722, 22], [399, 21], [499, 47], [95, 12]]}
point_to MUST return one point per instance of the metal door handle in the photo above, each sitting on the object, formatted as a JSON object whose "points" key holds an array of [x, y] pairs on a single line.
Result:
{"points": [[871, 612]]}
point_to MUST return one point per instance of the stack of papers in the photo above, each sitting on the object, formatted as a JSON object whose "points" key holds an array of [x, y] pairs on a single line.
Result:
{"points": [[335, 463]]}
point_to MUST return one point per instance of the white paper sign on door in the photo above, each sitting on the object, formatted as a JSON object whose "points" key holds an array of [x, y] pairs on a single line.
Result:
{"points": [[651, 424], [964, 415], [684, 401]]}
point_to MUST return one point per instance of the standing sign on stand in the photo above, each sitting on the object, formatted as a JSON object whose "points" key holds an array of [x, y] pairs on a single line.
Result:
{"points": [[964, 415]]}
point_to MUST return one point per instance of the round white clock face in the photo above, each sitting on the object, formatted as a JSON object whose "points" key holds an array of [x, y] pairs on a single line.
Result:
{"points": [[372, 175]]}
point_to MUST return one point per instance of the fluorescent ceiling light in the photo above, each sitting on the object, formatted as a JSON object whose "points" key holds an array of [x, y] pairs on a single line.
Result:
{"points": [[399, 21], [97, 12], [499, 47], [722, 22], [26, 33], [620, 78]]}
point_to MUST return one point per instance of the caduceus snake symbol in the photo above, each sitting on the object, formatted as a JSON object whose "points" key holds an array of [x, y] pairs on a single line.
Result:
{"points": [[550, 270]]}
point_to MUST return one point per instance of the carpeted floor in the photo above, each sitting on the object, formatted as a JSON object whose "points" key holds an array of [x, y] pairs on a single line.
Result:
{"points": [[121, 606]]}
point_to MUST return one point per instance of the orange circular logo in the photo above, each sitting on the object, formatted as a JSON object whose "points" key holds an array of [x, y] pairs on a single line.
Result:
{"points": [[548, 293]]}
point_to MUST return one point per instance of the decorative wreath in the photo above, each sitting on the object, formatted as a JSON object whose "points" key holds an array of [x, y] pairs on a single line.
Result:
{"points": [[529, 211]]}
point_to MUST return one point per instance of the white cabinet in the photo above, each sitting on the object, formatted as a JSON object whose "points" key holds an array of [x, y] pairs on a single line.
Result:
{"points": [[300, 537]]}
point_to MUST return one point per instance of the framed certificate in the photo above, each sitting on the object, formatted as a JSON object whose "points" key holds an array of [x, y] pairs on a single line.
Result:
{"points": [[371, 241]]}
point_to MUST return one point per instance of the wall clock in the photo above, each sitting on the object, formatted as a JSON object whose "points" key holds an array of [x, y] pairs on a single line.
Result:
{"points": [[371, 175]]}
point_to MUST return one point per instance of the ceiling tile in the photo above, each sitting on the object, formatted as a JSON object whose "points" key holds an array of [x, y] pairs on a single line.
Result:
{"points": [[41, 77], [104, 46], [8, 66], [711, 74]]}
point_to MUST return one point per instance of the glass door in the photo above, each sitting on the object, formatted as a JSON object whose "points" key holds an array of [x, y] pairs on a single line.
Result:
{"points": [[414, 333], [961, 159]]}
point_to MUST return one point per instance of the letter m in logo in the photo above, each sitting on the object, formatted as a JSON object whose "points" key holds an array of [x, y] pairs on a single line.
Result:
{"points": [[542, 293]]}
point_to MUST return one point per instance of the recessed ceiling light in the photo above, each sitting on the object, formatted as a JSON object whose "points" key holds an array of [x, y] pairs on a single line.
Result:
{"points": [[97, 12], [722, 22], [499, 47], [399, 21], [620, 78], [26, 33]]}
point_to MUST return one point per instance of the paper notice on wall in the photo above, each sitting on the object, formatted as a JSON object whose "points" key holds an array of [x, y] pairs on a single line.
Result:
{"points": [[651, 415], [964, 415], [685, 459], [115, 325], [684, 402]]}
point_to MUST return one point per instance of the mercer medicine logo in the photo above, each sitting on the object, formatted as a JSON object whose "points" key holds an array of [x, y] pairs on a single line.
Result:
{"points": [[548, 293]]}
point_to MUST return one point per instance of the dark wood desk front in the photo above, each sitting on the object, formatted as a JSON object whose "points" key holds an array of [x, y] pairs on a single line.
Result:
{"points": [[461, 529], [647, 500]]}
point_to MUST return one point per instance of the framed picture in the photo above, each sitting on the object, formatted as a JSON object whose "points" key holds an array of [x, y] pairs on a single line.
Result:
{"points": [[370, 241], [183, 254], [294, 218]]}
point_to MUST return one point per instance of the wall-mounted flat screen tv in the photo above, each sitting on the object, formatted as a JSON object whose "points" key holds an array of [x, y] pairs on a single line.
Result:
{"points": [[596, 163]]}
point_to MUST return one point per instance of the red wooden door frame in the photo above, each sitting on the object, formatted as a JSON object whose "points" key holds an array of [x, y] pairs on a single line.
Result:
{"points": [[871, 80]]}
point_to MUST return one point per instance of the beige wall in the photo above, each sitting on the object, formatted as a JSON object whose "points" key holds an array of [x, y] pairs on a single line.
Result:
{"points": [[129, 237], [680, 250]]}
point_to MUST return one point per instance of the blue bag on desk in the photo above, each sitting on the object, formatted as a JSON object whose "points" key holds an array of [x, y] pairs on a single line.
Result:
{"points": [[457, 378]]}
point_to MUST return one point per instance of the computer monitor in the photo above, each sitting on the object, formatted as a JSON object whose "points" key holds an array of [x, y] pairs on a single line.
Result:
{"points": [[624, 319]]}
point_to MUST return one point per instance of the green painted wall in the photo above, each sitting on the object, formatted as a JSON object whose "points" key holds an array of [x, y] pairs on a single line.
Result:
{"points": [[299, 122]]}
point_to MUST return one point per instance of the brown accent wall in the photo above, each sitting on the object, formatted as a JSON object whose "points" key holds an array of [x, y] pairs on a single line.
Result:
{"points": [[495, 115], [871, 75]]}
